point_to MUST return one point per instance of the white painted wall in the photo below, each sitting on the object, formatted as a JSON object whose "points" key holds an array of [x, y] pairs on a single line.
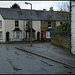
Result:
{"points": [[73, 27], [2, 29], [37, 26], [10, 26]]}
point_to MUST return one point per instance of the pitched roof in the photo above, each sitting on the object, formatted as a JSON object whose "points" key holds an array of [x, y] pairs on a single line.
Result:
{"points": [[23, 14]]}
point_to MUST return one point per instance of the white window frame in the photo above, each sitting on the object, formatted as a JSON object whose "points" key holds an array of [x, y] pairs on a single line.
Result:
{"points": [[15, 35], [0, 24], [1, 36], [48, 34]]}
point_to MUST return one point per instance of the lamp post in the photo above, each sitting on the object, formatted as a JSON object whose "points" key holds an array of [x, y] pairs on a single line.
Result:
{"points": [[30, 24]]}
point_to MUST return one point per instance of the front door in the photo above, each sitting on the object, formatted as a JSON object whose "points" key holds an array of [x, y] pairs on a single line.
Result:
{"points": [[42, 35], [7, 36], [38, 35]]}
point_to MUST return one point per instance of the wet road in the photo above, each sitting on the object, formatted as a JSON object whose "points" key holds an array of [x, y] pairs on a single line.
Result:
{"points": [[14, 61]]}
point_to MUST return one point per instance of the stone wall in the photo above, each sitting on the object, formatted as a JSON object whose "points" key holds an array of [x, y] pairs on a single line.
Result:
{"points": [[62, 40]]}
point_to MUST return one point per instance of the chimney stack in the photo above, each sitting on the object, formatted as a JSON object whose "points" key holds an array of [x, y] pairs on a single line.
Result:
{"points": [[51, 8]]}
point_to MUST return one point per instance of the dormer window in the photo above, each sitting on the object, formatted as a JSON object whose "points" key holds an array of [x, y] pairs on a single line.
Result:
{"points": [[16, 24]]}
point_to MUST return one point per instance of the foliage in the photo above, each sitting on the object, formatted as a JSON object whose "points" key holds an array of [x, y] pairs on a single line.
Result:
{"points": [[62, 28], [64, 6], [27, 24], [16, 6]]}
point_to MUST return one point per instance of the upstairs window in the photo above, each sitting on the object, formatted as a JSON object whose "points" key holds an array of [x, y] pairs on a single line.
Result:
{"points": [[0, 24], [0, 35], [49, 24], [16, 24]]}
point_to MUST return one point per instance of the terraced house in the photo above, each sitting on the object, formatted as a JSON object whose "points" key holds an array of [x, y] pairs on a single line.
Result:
{"points": [[14, 24]]}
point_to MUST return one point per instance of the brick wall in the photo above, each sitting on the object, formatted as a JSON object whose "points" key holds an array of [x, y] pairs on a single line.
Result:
{"points": [[44, 27]]}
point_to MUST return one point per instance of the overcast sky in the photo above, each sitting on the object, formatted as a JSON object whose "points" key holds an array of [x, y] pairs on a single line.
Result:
{"points": [[38, 5]]}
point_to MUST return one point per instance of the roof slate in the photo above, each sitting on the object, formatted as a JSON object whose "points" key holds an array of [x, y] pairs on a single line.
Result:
{"points": [[22, 14]]}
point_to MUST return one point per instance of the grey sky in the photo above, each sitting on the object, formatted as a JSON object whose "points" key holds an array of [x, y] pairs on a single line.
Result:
{"points": [[38, 5]]}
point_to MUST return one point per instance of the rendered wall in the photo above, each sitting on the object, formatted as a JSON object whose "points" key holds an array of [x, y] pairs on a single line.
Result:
{"points": [[2, 29], [73, 27]]}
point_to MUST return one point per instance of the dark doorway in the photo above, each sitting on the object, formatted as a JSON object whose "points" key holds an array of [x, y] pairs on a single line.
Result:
{"points": [[38, 35], [7, 36]]}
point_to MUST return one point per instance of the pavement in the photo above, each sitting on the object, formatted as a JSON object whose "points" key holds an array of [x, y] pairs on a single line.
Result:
{"points": [[51, 51]]}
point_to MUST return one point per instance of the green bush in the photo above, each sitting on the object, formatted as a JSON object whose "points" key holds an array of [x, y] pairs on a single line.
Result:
{"points": [[61, 28]]}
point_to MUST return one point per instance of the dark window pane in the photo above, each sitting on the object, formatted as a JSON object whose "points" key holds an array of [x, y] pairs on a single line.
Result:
{"points": [[49, 23]]}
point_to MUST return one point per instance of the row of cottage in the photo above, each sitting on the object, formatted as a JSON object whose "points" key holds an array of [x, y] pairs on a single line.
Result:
{"points": [[14, 24]]}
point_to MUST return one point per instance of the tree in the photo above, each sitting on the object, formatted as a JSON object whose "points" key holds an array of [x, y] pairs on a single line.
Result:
{"points": [[16, 6], [64, 6], [27, 24]]}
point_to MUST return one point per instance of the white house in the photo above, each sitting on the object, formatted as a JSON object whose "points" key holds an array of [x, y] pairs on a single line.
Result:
{"points": [[73, 27]]}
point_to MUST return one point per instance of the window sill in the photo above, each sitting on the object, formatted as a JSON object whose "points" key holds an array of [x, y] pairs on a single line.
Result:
{"points": [[48, 37], [1, 39], [49, 27]]}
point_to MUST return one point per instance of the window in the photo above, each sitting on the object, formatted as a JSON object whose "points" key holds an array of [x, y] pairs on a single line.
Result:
{"points": [[33, 35], [28, 35], [16, 24], [14, 35], [48, 34], [0, 24], [17, 35], [0, 34], [49, 24]]}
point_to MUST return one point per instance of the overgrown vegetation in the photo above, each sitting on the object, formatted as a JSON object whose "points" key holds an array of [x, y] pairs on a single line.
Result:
{"points": [[64, 28]]}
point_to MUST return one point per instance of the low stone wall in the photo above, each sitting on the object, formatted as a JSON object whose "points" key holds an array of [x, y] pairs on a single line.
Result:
{"points": [[62, 40]]}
